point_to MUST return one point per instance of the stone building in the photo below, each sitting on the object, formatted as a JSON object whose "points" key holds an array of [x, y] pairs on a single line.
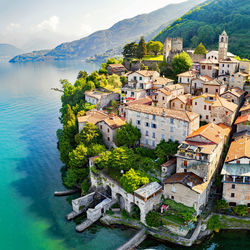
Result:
{"points": [[145, 198], [117, 69], [162, 82], [162, 97], [186, 78], [223, 111], [235, 95], [198, 158], [209, 67], [101, 97], [245, 109], [223, 46], [172, 46], [202, 106], [238, 80], [243, 123], [158, 124], [140, 84], [181, 102], [196, 86], [214, 87], [168, 168], [108, 125], [214, 54], [228, 66], [236, 173]]}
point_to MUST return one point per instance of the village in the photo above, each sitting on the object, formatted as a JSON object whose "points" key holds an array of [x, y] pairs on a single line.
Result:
{"points": [[200, 122]]}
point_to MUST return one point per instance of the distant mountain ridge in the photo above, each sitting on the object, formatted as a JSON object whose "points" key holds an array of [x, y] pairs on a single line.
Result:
{"points": [[8, 50], [205, 23], [125, 31]]}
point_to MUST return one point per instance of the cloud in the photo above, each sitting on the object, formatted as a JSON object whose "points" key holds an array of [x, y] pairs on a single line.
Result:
{"points": [[50, 24], [13, 26]]}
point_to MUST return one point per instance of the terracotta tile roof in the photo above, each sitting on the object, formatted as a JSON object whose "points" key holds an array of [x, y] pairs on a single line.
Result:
{"points": [[162, 81], [146, 73], [239, 149], [169, 163], [144, 101], [188, 179], [189, 73], [243, 118], [222, 102], [245, 107], [243, 73], [226, 128], [114, 122], [211, 132], [118, 65], [174, 87], [93, 116], [158, 111], [183, 98], [238, 92], [214, 82], [165, 92]]}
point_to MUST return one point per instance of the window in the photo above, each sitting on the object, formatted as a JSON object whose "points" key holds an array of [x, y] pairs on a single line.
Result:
{"points": [[180, 79], [233, 186], [140, 78], [153, 143], [153, 117], [135, 78], [108, 139], [195, 103], [188, 80], [185, 170], [181, 106], [209, 107], [172, 197], [173, 189], [101, 127], [162, 136], [206, 90], [238, 161], [146, 133], [228, 65], [146, 124], [232, 195], [216, 90], [153, 135], [138, 122], [173, 104], [108, 130], [203, 67], [209, 67], [163, 98], [205, 107], [146, 141], [185, 163], [171, 120], [132, 93], [226, 112], [153, 125], [207, 117], [171, 129], [222, 71], [171, 138], [147, 116], [223, 65]]}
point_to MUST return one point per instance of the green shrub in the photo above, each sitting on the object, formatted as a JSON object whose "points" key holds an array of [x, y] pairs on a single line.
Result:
{"points": [[178, 206], [221, 205], [153, 219], [109, 212], [214, 223], [241, 210], [125, 214]]}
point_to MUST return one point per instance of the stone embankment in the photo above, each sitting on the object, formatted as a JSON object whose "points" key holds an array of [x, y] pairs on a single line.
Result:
{"points": [[66, 192]]}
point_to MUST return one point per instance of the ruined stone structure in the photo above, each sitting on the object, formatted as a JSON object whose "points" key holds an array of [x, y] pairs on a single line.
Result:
{"points": [[172, 46]]}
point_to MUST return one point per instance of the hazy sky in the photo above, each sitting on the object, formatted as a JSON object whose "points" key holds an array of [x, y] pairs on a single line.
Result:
{"points": [[38, 23]]}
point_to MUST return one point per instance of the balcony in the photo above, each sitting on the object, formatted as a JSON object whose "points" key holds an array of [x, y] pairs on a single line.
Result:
{"points": [[192, 155], [236, 179]]}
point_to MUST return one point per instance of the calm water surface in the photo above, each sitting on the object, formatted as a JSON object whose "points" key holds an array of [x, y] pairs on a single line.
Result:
{"points": [[30, 216]]}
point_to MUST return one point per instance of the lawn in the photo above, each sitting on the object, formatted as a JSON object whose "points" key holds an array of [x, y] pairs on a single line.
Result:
{"points": [[174, 218], [153, 58]]}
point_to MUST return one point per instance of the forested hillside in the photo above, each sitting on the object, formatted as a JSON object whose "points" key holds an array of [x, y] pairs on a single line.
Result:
{"points": [[206, 22]]}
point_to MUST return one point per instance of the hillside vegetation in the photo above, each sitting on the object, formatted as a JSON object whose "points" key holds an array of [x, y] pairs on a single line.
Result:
{"points": [[206, 22]]}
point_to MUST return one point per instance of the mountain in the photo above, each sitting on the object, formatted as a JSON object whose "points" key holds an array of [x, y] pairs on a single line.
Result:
{"points": [[7, 50], [125, 31], [206, 22]]}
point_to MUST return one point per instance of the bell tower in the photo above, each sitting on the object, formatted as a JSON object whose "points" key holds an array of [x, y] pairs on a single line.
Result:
{"points": [[223, 46]]}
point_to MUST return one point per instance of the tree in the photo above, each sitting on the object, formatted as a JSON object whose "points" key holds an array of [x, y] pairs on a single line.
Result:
{"points": [[95, 149], [123, 79], [144, 67], [154, 47], [153, 219], [200, 50], [155, 67], [114, 81], [78, 157], [221, 205], [70, 179], [104, 160], [130, 50], [132, 180], [181, 63], [127, 135], [82, 74], [89, 134], [65, 147], [142, 48], [241, 210]]}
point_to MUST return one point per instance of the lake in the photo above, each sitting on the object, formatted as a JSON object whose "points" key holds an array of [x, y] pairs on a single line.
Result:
{"points": [[31, 217]]}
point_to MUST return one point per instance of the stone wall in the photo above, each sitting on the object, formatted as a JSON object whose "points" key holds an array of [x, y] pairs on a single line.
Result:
{"points": [[136, 65], [81, 203]]}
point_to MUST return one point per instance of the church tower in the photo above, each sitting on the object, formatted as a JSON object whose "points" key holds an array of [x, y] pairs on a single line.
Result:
{"points": [[223, 46]]}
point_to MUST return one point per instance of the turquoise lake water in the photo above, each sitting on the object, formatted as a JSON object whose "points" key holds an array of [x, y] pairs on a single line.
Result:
{"points": [[31, 217]]}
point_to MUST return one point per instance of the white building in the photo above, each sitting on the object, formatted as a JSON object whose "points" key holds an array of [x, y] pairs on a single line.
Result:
{"points": [[158, 124]]}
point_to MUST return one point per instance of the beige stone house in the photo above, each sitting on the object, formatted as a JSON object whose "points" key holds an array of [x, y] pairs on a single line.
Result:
{"points": [[223, 111], [162, 97], [228, 66], [197, 161], [108, 124], [202, 105], [181, 102], [101, 97], [162, 82], [196, 86], [243, 123], [186, 78], [214, 87], [235, 95], [245, 109], [238, 79], [158, 124], [209, 67], [117, 69], [236, 173]]}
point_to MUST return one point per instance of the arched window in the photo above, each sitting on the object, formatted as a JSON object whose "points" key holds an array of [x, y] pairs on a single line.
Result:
{"points": [[222, 39]]}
